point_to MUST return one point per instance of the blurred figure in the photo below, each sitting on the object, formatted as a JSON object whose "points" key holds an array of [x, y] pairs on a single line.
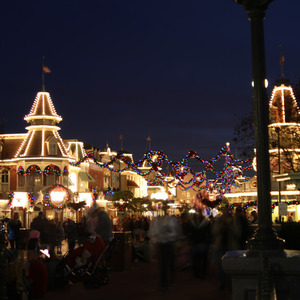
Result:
{"points": [[242, 227], [51, 235], [37, 273], [34, 241], [13, 227], [115, 222], [81, 234], [60, 236], [164, 232], [225, 235], [186, 241], [104, 225], [91, 220], [143, 251], [253, 217], [201, 241], [40, 223], [71, 234]]}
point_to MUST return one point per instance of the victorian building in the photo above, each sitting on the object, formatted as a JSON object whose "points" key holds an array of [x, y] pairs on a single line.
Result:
{"points": [[38, 169], [284, 151]]}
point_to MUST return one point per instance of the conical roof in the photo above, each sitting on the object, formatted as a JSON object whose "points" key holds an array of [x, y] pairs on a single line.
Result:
{"points": [[283, 105], [43, 108], [43, 139]]}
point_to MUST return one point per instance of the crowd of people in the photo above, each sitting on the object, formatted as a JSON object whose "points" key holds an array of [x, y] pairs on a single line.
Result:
{"points": [[201, 237]]}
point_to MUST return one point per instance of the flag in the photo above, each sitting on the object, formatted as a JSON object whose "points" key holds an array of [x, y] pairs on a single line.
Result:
{"points": [[46, 69], [148, 139], [121, 137]]}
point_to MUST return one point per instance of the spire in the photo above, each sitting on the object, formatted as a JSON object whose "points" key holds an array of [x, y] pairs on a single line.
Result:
{"points": [[43, 109], [42, 139]]}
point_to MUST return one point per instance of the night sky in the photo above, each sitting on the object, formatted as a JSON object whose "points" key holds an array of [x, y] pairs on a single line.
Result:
{"points": [[177, 71]]}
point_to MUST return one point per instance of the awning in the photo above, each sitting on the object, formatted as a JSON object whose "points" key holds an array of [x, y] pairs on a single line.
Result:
{"points": [[84, 176], [131, 183]]}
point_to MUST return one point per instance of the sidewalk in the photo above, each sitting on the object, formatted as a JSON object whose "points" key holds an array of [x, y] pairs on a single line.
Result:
{"points": [[141, 282]]}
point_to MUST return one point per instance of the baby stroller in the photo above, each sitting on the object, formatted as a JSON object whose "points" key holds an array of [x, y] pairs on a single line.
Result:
{"points": [[86, 263]]}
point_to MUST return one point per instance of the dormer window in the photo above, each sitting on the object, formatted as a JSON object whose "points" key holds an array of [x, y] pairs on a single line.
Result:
{"points": [[52, 146], [53, 149]]}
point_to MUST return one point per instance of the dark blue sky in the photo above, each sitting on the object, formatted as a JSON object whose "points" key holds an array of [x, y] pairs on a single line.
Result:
{"points": [[179, 71]]}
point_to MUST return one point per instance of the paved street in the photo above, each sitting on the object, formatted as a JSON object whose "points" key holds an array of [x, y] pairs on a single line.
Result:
{"points": [[141, 282]]}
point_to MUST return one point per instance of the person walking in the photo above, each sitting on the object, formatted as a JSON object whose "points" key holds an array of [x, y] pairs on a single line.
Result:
{"points": [[164, 233], [40, 223], [71, 234], [225, 238], [60, 236], [201, 241], [242, 225], [13, 227], [104, 225]]}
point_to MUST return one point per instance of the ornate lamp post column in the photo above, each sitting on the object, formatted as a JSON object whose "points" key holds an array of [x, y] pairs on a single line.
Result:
{"points": [[265, 237], [266, 269]]}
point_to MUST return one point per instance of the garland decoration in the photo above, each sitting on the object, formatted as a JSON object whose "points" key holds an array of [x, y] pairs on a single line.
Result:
{"points": [[33, 169], [10, 199], [66, 171], [52, 169], [121, 206], [31, 199], [154, 160], [21, 170]]}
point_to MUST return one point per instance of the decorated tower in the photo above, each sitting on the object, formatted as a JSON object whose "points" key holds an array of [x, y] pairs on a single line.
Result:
{"points": [[284, 129], [43, 139], [43, 160]]}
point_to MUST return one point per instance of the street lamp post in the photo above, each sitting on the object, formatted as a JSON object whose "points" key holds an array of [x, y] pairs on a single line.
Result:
{"points": [[266, 269], [265, 237]]}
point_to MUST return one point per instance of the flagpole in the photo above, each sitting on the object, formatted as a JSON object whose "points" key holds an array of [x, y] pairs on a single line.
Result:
{"points": [[121, 140], [43, 75]]}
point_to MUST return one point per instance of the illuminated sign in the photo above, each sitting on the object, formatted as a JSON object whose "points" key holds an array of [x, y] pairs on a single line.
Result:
{"points": [[87, 197], [159, 196], [58, 195], [20, 199]]}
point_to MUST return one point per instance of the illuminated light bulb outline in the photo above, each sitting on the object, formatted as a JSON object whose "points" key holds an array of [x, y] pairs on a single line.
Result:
{"points": [[224, 179], [40, 97]]}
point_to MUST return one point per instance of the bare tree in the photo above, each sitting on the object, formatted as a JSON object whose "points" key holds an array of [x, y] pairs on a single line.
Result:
{"points": [[243, 137], [285, 147]]}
